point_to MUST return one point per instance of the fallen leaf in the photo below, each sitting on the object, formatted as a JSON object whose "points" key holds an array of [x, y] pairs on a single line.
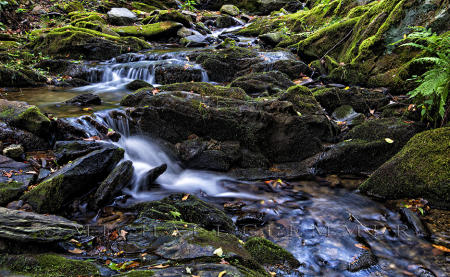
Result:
{"points": [[188, 270], [123, 234], [388, 140], [155, 91], [114, 235], [160, 266], [272, 273], [185, 197], [442, 248], [218, 252], [347, 88], [224, 262], [92, 138], [76, 251], [221, 274], [362, 246], [174, 233], [87, 109]]}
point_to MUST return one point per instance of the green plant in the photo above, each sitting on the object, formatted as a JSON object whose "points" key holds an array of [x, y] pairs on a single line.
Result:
{"points": [[189, 5], [432, 92]]}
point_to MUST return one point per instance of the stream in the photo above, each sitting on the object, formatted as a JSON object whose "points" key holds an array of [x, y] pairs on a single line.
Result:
{"points": [[327, 229]]}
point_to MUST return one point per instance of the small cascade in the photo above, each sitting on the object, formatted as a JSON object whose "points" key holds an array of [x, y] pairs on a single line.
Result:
{"points": [[146, 155], [115, 74]]}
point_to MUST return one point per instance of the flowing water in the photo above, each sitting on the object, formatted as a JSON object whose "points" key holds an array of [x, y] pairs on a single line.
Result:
{"points": [[328, 229]]}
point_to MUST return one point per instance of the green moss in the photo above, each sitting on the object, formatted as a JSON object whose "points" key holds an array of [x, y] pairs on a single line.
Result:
{"points": [[10, 191], [73, 6], [47, 265], [169, 15], [33, 120], [420, 169], [82, 14], [91, 18], [267, 252], [138, 273], [302, 98], [88, 25], [143, 7], [206, 89], [149, 31], [8, 45]]}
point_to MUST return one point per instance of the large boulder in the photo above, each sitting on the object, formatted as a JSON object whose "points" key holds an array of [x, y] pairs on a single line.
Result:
{"points": [[267, 83], [28, 140], [168, 15], [260, 7], [24, 116], [73, 180], [121, 16], [150, 31], [367, 146], [30, 227], [75, 43], [24, 77], [278, 129], [420, 170]]}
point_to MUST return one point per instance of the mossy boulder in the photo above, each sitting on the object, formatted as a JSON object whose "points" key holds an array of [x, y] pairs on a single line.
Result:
{"points": [[73, 180], [143, 7], [10, 191], [207, 89], [73, 42], [20, 77], [73, 6], [24, 116], [121, 17], [367, 146], [268, 253], [150, 31], [230, 10], [50, 265], [138, 84], [267, 83], [168, 15], [302, 98], [420, 170]]}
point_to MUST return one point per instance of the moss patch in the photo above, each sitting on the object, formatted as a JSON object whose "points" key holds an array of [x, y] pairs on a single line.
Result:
{"points": [[267, 252], [149, 31], [206, 89]]}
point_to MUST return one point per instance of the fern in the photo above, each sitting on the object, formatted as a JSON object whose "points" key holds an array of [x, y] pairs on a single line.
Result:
{"points": [[432, 92]]}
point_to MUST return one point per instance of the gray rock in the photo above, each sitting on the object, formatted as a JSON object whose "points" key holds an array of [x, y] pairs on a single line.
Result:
{"points": [[73, 180], [194, 41], [154, 173], [230, 10], [28, 140], [267, 82], [66, 151], [121, 17], [30, 227], [14, 151], [138, 84], [118, 179], [226, 21], [87, 99], [272, 39]]}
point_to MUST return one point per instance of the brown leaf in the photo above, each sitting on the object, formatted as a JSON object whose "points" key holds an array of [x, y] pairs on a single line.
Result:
{"points": [[123, 234], [442, 248], [362, 246], [114, 235], [160, 266], [76, 251]]}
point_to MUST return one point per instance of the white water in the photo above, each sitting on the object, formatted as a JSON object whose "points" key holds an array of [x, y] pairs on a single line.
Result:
{"points": [[147, 155]]}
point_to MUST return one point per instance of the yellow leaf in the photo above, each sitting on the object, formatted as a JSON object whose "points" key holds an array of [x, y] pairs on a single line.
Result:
{"points": [[388, 140], [185, 197], [221, 274], [218, 252], [442, 248], [362, 246], [404, 36], [272, 274], [347, 88], [76, 251]]}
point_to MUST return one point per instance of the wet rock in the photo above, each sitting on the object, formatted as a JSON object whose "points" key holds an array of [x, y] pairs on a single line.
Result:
{"points": [[362, 100], [73, 180], [169, 15], [151, 31], [14, 151], [250, 219], [414, 222], [177, 73], [347, 114], [118, 179], [223, 65], [153, 174], [211, 155], [206, 89], [138, 84], [66, 151], [13, 186], [363, 261], [230, 10], [30, 227], [202, 213], [194, 41], [255, 123], [272, 39], [419, 170], [43, 173], [24, 116], [365, 147], [268, 253], [121, 17], [291, 67], [226, 21], [87, 99], [268, 83], [20, 78]]}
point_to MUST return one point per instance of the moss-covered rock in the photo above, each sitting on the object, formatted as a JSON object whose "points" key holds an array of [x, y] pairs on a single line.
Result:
{"points": [[73, 6], [267, 83], [268, 253], [168, 15], [143, 7], [73, 42], [207, 89], [20, 77], [73, 180], [24, 116], [303, 100], [10, 191], [420, 169], [230, 10], [150, 31], [50, 265]]}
